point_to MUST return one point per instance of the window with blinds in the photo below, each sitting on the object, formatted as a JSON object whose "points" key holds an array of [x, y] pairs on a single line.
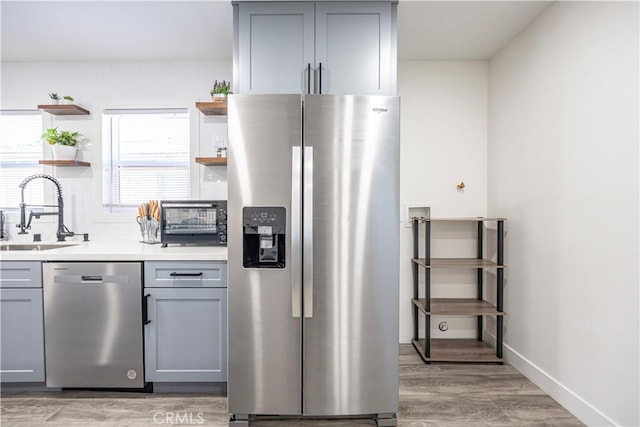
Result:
{"points": [[20, 150], [145, 156]]}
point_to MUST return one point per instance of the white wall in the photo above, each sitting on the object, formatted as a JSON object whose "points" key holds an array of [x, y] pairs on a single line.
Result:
{"points": [[563, 168], [443, 142], [103, 85]]}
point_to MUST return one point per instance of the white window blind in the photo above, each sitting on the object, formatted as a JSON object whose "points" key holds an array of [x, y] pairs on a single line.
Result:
{"points": [[146, 156], [20, 150]]}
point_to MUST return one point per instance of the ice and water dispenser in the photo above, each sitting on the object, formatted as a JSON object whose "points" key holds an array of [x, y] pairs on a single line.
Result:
{"points": [[263, 237]]}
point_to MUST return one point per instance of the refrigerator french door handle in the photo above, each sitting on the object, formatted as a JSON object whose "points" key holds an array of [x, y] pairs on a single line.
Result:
{"points": [[307, 229], [296, 229]]}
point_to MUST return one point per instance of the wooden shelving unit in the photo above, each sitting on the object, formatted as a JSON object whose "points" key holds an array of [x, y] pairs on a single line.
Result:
{"points": [[457, 350], [212, 161], [64, 110], [63, 163], [212, 108]]}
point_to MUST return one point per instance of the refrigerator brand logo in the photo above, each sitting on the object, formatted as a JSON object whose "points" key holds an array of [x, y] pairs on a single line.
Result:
{"points": [[380, 110]]}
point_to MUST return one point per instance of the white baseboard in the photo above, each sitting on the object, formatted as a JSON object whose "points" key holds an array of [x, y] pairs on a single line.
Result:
{"points": [[571, 401]]}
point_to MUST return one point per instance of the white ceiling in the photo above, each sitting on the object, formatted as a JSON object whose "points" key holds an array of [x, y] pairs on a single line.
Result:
{"points": [[202, 30]]}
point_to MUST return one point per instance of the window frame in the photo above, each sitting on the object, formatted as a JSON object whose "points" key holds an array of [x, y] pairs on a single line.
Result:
{"points": [[46, 195], [112, 211]]}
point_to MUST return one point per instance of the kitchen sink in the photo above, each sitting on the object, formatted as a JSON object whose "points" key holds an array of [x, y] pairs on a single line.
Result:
{"points": [[33, 246]]}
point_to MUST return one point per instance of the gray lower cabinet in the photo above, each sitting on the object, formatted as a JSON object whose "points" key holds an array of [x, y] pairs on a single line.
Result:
{"points": [[186, 337], [21, 322], [342, 48]]}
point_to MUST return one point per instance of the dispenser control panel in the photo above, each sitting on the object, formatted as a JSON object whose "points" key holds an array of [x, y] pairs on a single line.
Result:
{"points": [[263, 237]]}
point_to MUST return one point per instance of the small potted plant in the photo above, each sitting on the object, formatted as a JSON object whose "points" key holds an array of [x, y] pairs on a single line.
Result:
{"points": [[68, 99], [64, 144], [220, 91], [54, 97]]}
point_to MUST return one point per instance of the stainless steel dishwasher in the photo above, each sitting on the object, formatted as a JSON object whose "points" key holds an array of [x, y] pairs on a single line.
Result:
{"points": [[93, 324]]}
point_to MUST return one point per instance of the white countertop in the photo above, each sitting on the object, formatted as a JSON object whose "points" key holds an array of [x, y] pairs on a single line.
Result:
{"points": [[118, 250]]}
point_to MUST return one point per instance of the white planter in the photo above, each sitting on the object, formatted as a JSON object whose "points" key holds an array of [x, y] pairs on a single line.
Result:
{"points": [[219, 97], [64, 152]]}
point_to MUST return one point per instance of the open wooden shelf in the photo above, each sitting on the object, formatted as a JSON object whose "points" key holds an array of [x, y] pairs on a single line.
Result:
{"points": [[212, 161], [64, 110], [457, 263], [457, 350], [457, 307], [212, 108], [63, 163]]}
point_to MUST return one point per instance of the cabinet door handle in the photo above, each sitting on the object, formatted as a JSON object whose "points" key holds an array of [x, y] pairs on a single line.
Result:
{"points": [[320, 78], [309, 78], [145, 310], [174, 274]]}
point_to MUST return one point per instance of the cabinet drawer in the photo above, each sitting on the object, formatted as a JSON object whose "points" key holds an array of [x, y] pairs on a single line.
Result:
{"points": [[191, 274], [20, 274]]}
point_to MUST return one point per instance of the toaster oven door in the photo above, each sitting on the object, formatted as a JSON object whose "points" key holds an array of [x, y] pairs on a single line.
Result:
{"points": [[184, 223]]}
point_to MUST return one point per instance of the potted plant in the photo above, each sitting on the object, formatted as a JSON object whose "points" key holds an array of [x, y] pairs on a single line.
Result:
{"points": [[68, 99], [55, 98], [220, 90], [64, 144]]}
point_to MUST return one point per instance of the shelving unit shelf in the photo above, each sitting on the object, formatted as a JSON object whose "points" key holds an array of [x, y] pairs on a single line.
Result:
{"points": [[64, 163], [217, 108], [64, 110], [457, 350], [212, 161]]}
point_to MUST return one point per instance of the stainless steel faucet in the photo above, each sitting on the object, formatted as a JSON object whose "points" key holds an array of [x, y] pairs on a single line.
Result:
{"points": [[62, 231]]}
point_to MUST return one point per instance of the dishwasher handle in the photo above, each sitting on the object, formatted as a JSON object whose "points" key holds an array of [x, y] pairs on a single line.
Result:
{"points": [[91, 278], [145, 310]]}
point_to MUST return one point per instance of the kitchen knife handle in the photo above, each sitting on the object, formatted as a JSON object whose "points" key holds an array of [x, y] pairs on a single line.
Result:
{"points": [[296, 232], [174, 274], [307, 227], [309, 78], [320, 78], [145, 309]]}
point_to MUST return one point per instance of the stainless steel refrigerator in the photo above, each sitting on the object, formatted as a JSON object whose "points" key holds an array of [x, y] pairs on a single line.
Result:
{"points": [[313, 223]]}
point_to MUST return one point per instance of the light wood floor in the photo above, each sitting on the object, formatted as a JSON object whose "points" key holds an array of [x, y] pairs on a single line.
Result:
{"points": [[430, 395]]}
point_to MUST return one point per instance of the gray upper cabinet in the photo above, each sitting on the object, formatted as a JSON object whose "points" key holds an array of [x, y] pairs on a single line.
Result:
{"points": [[315, 47], [353, 48], [276, 46]]}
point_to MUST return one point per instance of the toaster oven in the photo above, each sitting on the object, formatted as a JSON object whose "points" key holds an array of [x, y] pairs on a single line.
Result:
{"points": [[202, 222]]}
